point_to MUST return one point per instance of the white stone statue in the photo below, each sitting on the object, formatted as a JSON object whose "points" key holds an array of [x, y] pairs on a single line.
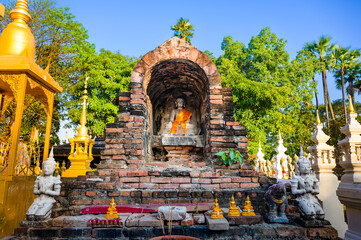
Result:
{"points": [[280, 164], [260, 162], [47, 187], [305, 187]]}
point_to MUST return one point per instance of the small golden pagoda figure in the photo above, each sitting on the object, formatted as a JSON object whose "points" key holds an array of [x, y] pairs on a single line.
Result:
{"points": [[81, 146], [37, 170], [248, 209], [112, 211], [233, 209], [291, 167], [217, 211]]}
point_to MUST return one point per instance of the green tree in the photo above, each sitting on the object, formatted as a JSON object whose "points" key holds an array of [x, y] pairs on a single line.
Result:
{"points": [[270, 93], [109, 74], [183, 29], [320, 49], [341, 59]]}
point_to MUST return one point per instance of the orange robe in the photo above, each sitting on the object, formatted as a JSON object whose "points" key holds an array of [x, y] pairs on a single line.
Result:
{"points": [[182, 117]]}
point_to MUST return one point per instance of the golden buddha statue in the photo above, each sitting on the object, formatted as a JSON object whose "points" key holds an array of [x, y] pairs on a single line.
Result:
{"points": [[112, 211], [57, 169], [248, 209], [217, 211], [233, 209], [63, 168]]}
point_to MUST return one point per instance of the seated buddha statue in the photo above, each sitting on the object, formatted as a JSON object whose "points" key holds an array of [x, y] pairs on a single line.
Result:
{"points": [[112, 211], [233, 209], [248, 209], [182, 121]]}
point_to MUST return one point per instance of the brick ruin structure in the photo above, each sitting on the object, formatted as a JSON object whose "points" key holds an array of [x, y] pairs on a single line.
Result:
{"points": [[143, 164]]}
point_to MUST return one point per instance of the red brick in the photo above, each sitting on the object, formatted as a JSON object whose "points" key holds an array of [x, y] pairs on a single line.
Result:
{"points": [[169, 185], [90, 193], [218, 122], [249, 185], [241, 179], [144, 179], [210, 175], [122, 173], [196, 164], [215, 97], [80, 201], [129, 179], [210, 186], [148, 185], [101, 201], [105, 186], [162, 165], [187, 186], [229, 185], [194, 174], [133, 185], [221, 180], [201, 180], [216, 101], [113, 194], [180, 180], [138, 173], [124, 98], [124, 193], [160, 180]]}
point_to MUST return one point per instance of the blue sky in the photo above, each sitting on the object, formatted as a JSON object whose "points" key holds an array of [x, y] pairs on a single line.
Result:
{"points": [[135, 27]]}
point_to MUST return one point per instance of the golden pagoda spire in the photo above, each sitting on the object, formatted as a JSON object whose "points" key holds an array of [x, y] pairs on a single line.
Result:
{"points": [[350, 106], [17, 39], [318, 121], [259, 143], [83, 130], [279, 135]]}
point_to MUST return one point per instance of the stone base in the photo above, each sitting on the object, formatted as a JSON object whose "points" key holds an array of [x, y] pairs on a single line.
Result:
{"points": [[244, 220], [312, 223], [43, 223], [258, 231], [218, 224]]}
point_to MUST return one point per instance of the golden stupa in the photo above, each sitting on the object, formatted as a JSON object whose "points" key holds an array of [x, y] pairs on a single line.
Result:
{"points": [[20, 76], [81, 146]]}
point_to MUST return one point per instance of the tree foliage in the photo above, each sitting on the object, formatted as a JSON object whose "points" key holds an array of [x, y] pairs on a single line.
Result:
{"points": [[270, 92], [109, 74], [183, 29]]}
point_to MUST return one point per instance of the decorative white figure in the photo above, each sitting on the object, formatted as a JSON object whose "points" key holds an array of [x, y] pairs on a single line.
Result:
{"points": [[260, 162], [280, 169], [47, 187], [305, 187]]}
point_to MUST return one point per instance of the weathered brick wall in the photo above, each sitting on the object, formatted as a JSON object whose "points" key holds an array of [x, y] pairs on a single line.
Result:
{"points": [[127, 140], [134, 186], [124, 142]]}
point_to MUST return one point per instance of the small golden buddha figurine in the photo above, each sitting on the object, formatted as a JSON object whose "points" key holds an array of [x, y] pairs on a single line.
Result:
{"points": [[233, 209], [217, 211], [248, 209], [63, 168], [112, 211], [57, 170], [37, 169]]}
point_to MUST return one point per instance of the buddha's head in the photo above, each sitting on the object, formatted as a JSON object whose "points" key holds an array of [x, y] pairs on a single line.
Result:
{"points": [[179, 103]]}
